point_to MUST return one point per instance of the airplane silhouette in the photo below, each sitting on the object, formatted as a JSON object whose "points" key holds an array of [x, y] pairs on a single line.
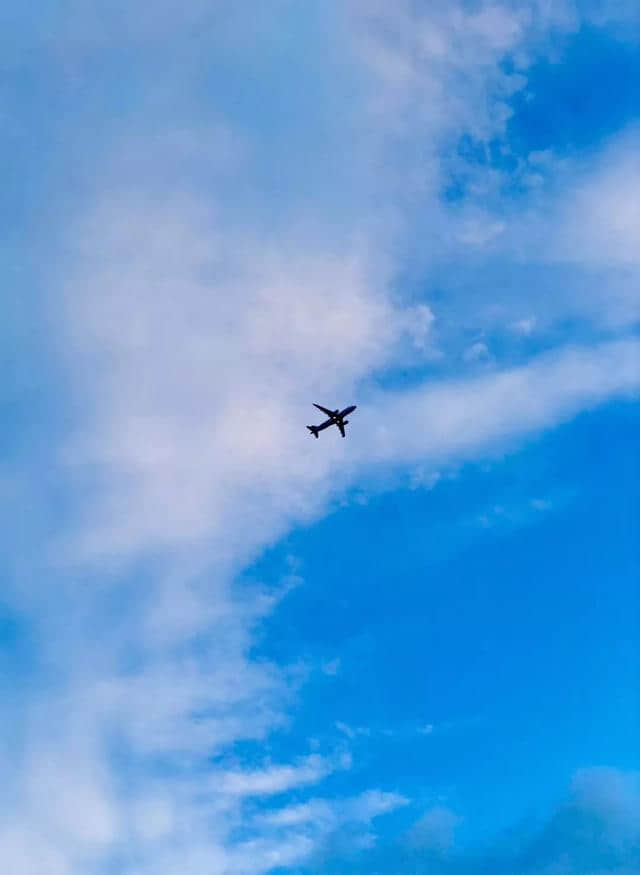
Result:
{"points": [[336, 417]]}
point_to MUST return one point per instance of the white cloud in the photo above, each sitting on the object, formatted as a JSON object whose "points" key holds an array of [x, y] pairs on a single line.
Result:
{"points": [[357, 809], [478, 351], [423, 478], [479, 228], [199, 351], [570, 251], [525, 327], [27, 853], [460, 418], [437, 65], [153, 818], [193, 456], [278, 779], [352, 731], [419, 320], [334, 822], [599, 217]]}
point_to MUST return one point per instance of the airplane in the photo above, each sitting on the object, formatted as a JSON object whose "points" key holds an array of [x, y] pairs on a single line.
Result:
{"points": [[336, 417]]}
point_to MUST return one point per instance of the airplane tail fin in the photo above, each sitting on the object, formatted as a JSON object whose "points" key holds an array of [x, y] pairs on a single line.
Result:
{"points": [[313, 430]]}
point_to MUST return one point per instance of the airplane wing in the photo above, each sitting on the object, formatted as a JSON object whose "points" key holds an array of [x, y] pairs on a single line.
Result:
{"points": [[341, 427], [324, 409]]}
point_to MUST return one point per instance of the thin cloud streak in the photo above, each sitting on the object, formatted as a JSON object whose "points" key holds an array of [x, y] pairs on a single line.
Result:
{"points": [[459, 419]]}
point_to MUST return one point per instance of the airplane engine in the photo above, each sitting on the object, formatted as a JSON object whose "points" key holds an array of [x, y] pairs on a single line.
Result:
{"points": [[346, 422]]}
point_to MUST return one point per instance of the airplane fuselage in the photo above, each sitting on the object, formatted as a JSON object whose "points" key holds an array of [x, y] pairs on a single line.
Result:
{"points": [[339, 415], [336, 417]]}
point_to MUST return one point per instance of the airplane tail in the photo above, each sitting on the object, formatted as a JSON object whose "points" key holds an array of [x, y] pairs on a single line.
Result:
{"points": [[313, 430]]}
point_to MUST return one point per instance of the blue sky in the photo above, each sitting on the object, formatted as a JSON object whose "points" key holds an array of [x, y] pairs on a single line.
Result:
{"points": [[228, 649]]}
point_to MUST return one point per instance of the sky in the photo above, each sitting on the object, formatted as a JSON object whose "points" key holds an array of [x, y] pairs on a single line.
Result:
{"points": [[227, 648]]}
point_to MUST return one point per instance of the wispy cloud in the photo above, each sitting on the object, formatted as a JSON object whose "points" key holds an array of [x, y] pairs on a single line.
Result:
{"points": [[468, 416], [278, 779]]}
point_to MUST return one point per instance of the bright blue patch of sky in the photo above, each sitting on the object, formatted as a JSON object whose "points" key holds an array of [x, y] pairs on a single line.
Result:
{"points": [[501, 608], [574, 102]]}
